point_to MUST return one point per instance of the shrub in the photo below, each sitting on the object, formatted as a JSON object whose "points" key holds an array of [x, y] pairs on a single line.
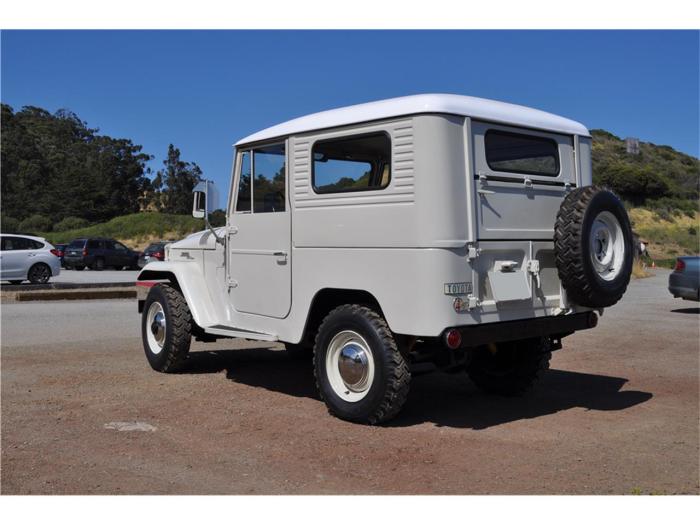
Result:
{"points": [[35, 224], [9, 225], [70, 223], [692, 230]]}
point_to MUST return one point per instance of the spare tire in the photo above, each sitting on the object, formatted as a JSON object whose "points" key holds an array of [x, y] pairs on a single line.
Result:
{"points": [[593, 247]]}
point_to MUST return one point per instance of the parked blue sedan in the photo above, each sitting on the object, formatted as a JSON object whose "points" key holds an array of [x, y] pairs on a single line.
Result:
{"points": [[685, 280]]}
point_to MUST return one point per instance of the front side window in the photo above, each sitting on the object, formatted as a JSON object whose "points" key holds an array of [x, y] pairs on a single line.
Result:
{"points": [[520, 153], [356, 163], [268, 184]]}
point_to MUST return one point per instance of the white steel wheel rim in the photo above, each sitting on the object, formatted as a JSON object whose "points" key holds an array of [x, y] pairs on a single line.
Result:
{"points": [[607, 246], [155, 328], [349, 366]]}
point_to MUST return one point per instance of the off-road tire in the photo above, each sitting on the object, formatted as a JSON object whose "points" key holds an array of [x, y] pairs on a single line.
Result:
{"points": [[39, 273], [298, 351], [509, 368], [178, 331], [392, 377], [572, 248]]}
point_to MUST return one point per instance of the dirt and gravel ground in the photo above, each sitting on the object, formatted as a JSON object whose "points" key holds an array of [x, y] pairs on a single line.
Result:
{"points": [[618, 413]]}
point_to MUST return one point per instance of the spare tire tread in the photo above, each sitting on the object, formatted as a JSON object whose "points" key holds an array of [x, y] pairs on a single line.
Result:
{"points": [[569, 251]]}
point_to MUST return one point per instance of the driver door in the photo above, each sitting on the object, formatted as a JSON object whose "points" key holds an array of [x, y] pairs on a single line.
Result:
{"points": [[259, 234]]}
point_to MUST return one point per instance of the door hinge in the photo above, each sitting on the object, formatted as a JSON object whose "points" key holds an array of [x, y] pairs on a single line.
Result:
{"points": [[472, 252], [472, 302]]}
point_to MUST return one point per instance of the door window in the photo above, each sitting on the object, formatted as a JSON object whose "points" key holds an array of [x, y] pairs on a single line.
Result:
{"points": [[19, 243], [268, 184]]}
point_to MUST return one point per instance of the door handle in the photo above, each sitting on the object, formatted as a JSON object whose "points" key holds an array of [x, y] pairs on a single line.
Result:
{"points": [[280, 255]]}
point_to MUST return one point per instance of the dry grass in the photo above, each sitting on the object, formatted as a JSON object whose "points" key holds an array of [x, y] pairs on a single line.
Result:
{"points": [[667, 238], [639, 271]]}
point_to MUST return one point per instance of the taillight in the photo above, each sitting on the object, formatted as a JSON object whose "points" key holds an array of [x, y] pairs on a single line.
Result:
{"points": [[159, 255], [84, 253], [55, 252], [680, 265]]}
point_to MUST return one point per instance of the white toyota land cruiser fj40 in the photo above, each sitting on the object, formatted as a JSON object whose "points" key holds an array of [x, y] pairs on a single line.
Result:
{"points": [[449, 230]]}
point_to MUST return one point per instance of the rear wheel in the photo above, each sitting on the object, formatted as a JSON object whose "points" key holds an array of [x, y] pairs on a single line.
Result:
{"points": [[509, 368], [360, 373], [40, 273], [166, 328]]}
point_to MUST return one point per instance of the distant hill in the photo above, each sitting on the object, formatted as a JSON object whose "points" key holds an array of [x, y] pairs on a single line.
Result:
{"points": [[659, 177]]}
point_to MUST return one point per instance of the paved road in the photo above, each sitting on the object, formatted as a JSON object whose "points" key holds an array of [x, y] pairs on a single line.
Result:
{"points": [[617, 413]]}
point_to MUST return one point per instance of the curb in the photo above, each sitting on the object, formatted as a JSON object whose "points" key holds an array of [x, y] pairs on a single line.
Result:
{"points": [[69, 294]]}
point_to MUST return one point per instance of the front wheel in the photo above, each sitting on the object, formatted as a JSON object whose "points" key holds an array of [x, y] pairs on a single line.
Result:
{"points": [[509, 368], [40, 273], [360, 372], [166, 328]]}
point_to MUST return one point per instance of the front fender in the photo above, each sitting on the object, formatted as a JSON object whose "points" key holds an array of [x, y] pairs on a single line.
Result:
{"points": [[189, 278]]}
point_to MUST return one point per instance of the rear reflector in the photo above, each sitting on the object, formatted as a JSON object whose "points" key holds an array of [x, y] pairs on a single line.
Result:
{"points": [[680, 265], [453, 339], [146, 284]]}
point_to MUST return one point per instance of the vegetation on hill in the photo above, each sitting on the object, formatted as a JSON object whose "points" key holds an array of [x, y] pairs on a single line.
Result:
{"points": [[134, 229], [55, 167], [659, 178]]}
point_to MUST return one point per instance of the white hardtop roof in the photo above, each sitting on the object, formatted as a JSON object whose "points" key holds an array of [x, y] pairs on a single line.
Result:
{"points": [[479, 108]]}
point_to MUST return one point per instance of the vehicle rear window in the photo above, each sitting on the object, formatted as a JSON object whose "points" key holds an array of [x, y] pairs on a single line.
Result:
{"points": [[357, 163], [77, 244], [153, 248], [520, 153]]}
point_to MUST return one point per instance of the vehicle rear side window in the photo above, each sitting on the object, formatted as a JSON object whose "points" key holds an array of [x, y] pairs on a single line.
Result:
{"points": [[356, 163], [20, 243], [95, 244], [520, 153]]}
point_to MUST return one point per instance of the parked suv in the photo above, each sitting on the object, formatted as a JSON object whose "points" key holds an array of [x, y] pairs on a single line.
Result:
{"points": [[386, 237], [24, 257], [98, 254]]}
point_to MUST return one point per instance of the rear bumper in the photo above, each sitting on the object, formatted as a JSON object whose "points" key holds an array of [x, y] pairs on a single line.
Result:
{"points": [[554, 326], [684, 285]]}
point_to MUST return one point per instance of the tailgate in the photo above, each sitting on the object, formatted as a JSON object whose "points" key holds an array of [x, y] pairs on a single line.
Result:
{"points": [[522, 176]]}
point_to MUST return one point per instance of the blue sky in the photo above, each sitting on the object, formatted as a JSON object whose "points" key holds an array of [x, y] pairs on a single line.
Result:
{"points": [[204, 90]]}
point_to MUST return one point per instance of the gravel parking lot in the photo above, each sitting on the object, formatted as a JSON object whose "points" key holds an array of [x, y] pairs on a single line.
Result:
{"points": [[82, 413]]}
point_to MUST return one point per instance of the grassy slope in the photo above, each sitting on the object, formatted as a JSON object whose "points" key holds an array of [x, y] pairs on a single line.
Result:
{"points": [[667, 238], [136, 230]]}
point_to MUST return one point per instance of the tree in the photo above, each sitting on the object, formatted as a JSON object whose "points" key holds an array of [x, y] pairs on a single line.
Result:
{"points": [[56, 166], [173, 185]]}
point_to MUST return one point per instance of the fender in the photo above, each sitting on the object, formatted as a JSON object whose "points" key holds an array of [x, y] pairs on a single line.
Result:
{"points": [[189, 278]]}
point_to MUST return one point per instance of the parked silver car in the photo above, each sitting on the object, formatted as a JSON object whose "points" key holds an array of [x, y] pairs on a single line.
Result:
{"points": [[685, 280], [23, 257]]}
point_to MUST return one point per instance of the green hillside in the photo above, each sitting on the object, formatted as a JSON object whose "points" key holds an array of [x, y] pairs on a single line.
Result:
{"points": [[658, 178], [136, 230]]}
